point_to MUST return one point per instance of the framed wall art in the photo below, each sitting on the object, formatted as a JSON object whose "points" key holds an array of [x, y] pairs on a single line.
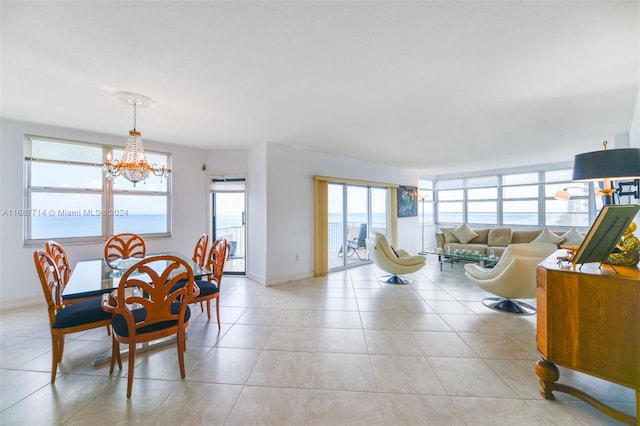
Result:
{"points": [[407, 201]]}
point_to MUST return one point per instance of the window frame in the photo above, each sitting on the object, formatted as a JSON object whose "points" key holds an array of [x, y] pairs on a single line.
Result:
{"points": [[107, 192]]}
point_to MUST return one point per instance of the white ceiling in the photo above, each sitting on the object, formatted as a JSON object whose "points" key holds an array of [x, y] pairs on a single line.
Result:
{"points": [[440, 86]]}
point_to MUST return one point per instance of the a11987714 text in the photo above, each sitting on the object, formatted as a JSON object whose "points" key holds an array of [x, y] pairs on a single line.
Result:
{"points": [[64, 212]]}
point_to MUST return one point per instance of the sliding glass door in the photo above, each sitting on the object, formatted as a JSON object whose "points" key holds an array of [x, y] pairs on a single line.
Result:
{"points": [[354, 211], [229, 219]]}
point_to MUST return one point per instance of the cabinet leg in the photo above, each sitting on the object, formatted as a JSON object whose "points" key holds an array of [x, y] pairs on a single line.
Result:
{"points": [[549, 374]]}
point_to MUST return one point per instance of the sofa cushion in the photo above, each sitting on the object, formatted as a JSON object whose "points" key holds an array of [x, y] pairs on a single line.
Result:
{"points": [[464, 234], [448, 236], [572, 238], [483, 235], [499, 237], [547, 236], [524, 236]]}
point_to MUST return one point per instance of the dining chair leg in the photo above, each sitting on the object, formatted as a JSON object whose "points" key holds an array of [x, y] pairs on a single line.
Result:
{"points": [[108, 330], [114, 348], [201, 307], [208, 309], [132, 364], [54, 357], [218, 311], [60, 347], [181, 344]]}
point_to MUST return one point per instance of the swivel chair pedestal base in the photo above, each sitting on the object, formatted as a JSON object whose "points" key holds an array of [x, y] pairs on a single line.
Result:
{"points": [[395, 279], [509, 305]]}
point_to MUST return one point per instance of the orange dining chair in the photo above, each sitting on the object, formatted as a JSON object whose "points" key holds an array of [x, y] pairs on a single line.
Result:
{"points": [[200, 250], [147, 305], [65, 319], [59, 255], [124, 246], [210, 288]]}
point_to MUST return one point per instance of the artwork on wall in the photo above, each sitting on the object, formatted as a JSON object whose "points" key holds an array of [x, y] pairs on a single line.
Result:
{"points": [[407, 201]]}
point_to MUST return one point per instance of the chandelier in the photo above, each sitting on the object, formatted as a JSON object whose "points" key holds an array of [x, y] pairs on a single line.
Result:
{"points": [[133, 166]]}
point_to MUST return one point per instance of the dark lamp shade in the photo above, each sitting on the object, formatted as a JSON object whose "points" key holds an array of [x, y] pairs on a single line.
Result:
{"points": [[616, 164]]}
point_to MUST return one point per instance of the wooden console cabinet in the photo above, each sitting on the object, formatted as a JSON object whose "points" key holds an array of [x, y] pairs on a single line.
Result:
{"points": [[589, 320]]}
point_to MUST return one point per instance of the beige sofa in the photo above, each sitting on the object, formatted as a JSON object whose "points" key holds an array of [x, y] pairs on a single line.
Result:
{"points": [[496, 239]]}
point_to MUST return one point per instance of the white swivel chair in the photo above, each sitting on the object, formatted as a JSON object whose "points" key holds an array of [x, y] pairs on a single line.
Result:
{"points": [[395, 263], [513, 277]]}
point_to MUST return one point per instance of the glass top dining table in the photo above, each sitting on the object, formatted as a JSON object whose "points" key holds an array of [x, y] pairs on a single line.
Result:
{"points": [[93, 277]]}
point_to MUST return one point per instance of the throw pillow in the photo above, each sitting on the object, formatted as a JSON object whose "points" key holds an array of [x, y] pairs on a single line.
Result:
{"points": [[572, 238], [500, 237], [547, 236], [464, 234], [448, 236], [394, 251]]}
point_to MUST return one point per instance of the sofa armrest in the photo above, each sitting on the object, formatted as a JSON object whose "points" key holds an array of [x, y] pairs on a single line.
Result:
{"points": [[440, 240]]}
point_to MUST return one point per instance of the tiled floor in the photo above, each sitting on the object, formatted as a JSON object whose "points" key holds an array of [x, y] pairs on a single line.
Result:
{"points": [[345, 349]]}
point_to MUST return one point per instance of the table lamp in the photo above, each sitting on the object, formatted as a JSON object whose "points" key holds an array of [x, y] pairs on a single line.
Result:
{"points": [[607, 165]]}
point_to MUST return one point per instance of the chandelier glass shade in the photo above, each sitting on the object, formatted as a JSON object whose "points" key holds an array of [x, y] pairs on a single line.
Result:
{"points": [[133, 166]]}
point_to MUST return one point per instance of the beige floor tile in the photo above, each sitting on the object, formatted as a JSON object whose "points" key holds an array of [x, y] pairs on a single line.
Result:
{"points": [[343, 292], [197, 404], [572, 412], [466, 323], [293, 339], [340, 319], [391, 342], [520, 375], [225, 365], [469, 377], [341, 341], [442, 344], [339, 304], [58, 403], [269, 406], [343, 408], [497, 346], [246, 336], [343, 372], [280, 317], [477, 411], [283, 369], [433, 295], [17, 384], [405, 374], [112, 407], [419, 410], [448, 307]]}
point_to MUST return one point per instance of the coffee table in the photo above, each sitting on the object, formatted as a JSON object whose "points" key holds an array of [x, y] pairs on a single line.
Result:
{"points": [[484, 260]]}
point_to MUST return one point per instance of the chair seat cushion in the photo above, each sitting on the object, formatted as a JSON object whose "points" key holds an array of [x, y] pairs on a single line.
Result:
{"points": [[81, 313], [119, 324], [207, 288]]}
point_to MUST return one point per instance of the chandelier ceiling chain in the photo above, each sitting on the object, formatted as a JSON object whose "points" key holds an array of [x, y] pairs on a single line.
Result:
{"points": [[133, 166]]}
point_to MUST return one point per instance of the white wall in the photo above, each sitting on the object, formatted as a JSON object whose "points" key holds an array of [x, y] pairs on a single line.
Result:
{"points": [[289, 206], [18, 279], [634, 130]]}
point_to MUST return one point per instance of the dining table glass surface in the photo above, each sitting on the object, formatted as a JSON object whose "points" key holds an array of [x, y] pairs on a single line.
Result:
{"points": [[93, 277]]}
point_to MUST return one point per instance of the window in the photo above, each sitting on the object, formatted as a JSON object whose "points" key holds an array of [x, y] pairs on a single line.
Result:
{"points": [[69, 199], [520, 199], [572, 212], [425, 201], [516, 199], [450, 205]]}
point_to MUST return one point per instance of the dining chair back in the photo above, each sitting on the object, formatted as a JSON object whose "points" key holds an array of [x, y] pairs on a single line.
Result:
{"points": [[200, 250], [61, 259], [64, 319], [124, 246], [149, 305], [210, 287]]}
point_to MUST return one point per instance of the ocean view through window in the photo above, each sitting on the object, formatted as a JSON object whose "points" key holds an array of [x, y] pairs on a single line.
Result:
{"points": [[69, 199]]}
